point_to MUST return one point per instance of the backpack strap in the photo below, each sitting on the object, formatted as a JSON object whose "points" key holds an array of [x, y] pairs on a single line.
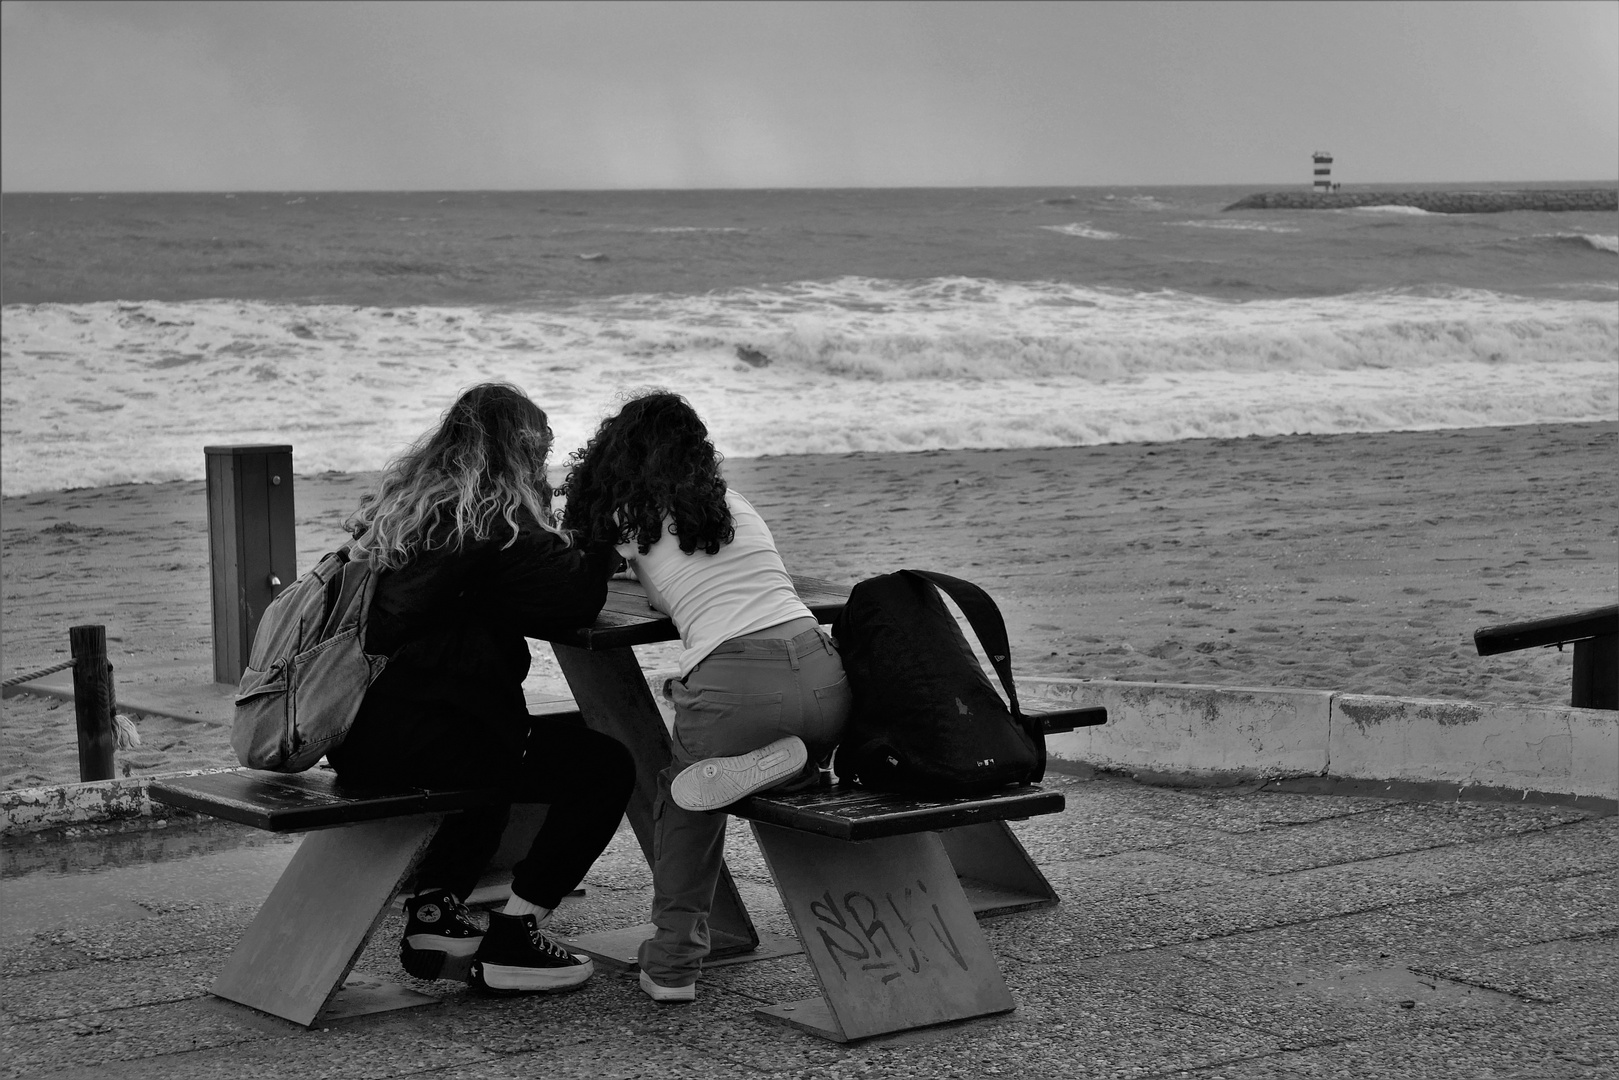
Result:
{"points": [[990, 627], [350, 578], [986, 622]]}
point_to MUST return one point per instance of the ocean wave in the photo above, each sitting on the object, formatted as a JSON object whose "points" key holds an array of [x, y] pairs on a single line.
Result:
{"points": [[1082, 229], [853, 327], [683, 229], [1390, 209], [1581, 241], [1150, 203], [1238, 225], [851, 364]]}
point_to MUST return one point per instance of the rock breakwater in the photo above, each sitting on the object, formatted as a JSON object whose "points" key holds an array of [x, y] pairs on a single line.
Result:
{"points": [[1437, 202]]}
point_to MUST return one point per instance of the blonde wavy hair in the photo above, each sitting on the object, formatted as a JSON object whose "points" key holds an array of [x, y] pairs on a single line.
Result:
{"points": [[485, 459]]}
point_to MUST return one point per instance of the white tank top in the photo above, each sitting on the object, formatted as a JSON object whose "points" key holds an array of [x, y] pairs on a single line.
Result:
{"points": [[713, 598]]}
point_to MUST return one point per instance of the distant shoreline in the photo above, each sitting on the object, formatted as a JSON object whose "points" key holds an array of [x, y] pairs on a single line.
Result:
{"points": [[1438, 202]]}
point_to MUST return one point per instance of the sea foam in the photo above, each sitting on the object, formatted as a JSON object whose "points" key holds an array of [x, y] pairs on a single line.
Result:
{"points": [[1082, 229], [115, 392], [1390, 208]]}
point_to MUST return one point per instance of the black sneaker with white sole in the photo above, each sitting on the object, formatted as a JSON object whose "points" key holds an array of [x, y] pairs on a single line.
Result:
{"points": [[515, 958], [440, 936]]}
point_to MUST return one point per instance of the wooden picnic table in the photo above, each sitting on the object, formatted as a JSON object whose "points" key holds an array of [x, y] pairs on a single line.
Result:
{"points": [[295, 960]]}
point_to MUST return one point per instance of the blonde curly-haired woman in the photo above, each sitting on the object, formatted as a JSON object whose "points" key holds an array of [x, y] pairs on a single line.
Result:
{"points": [[470, 563]]}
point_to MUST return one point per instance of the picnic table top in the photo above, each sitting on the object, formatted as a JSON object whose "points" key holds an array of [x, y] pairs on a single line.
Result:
{"points": [[627, 618]]}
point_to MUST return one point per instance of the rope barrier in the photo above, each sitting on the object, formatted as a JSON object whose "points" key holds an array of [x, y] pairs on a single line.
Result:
{"points": [[32, 675]]}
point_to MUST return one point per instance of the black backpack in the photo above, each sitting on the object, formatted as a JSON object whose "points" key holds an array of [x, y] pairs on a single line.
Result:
{"points": [[926, 720]]}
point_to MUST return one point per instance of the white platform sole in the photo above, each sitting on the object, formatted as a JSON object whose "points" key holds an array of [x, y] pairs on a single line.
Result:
{"points": [[503, 979], [714, 783]]}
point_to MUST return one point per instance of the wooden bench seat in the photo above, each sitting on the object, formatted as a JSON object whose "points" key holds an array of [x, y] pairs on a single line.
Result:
{"points": [[851, 812], [361, 848], [856, 813], [303, 802]]}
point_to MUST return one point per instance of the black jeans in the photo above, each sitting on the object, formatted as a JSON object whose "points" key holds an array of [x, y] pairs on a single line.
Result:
{"points": [[585, 777]]}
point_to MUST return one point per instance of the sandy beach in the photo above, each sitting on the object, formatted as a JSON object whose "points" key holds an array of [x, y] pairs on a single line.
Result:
{"points": [[1360, 563]]}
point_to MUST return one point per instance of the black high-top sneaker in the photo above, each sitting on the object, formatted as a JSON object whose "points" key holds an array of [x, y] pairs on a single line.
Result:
{"points": [[440, 936], [516, 958]]}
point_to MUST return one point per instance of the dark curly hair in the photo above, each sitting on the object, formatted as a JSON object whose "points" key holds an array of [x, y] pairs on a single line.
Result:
{"points": [[651, 461]]}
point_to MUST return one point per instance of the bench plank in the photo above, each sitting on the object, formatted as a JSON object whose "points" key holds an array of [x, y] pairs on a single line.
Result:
{"points": [[850, 812], [299, 802], [1059, 720]]}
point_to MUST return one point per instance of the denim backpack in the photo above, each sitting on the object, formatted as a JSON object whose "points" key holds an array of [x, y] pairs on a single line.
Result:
{"points": [[308, 670], [926, 720]]}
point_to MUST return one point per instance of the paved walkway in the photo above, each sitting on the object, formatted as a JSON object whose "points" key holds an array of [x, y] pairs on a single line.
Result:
{"points": [[1232, 933]]}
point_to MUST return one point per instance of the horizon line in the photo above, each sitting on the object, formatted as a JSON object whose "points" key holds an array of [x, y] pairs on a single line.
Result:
{"points": [[1300, 184]]}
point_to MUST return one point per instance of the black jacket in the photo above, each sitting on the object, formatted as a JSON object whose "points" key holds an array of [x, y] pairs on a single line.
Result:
{"points": [[452, 624]]}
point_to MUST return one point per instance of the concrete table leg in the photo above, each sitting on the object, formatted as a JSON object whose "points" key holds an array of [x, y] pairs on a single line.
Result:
{"points": [[612, 694]]}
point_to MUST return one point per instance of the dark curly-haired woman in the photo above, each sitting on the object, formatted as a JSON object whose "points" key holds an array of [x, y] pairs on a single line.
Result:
{"points": [[470, 561], [761, 698]]}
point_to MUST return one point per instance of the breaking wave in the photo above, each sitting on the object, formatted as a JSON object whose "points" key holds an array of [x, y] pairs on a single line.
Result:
{"points": [[113, 392]]}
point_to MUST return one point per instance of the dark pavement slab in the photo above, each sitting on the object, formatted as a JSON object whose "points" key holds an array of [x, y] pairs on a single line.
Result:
{"points": [[1228, 933]]}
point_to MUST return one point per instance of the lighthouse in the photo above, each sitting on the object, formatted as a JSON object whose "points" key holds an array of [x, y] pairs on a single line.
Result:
{"points": [[1323, 170]]}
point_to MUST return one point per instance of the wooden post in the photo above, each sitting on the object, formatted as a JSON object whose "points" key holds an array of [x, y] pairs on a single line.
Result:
{"points": [[252, 544], [1596, 673], [93, 701]]}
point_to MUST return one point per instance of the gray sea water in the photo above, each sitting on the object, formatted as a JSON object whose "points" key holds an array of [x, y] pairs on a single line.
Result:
{"points": [[138, 328]]}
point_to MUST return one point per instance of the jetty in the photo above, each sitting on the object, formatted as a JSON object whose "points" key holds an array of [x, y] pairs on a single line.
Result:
{"points": [[1438, 202]]}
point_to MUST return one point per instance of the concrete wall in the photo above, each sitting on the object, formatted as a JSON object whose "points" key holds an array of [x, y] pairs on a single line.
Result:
{"points": [[1220, 731], [1538, 747], [29, 809]]}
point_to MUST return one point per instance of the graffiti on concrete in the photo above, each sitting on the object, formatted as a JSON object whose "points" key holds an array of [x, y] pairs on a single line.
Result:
{"points": [[884, 939]]}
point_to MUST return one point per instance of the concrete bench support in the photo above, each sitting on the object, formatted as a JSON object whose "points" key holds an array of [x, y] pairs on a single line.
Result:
{"points": [[361, 848], [293, 960], [888, 930], [885, 892], [995, 872]]}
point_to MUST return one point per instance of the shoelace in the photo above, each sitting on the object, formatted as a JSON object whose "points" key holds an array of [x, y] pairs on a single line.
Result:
{"points": [[545, 945], [459, 912]]}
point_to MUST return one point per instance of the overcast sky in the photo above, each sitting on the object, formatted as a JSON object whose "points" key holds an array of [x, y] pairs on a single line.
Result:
{"points": [[285, 95]]}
